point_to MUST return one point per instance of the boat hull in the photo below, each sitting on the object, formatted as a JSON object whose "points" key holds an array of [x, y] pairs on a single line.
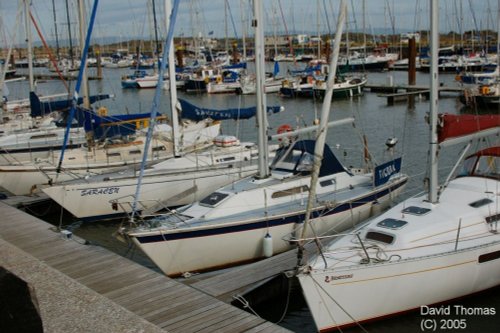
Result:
{"points": [[337, 298], [174, 188], [176, 251]]}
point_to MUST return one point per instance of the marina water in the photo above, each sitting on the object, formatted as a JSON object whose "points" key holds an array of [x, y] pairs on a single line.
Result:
{"points": [[374, 118]]}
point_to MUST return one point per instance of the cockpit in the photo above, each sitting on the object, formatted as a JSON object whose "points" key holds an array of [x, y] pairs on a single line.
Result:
{"points": [[298, 158], [293, 160], [485, 163]]}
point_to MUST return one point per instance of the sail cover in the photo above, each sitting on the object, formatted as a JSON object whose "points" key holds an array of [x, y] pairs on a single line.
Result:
{"points": [[452, 126], [193, 112]]}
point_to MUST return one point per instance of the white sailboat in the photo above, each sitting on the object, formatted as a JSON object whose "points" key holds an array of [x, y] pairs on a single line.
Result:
{"points": [[23, 177], [170, 183], [403, 259], [174, 182], [247, 220]]}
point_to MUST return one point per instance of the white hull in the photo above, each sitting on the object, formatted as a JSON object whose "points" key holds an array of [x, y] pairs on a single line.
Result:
{"points": [[387, 289], [420, 254], [177, 187], [39, 143], [270, 86], [23, 178], [148, 82], [222, 88], [178, 251]]}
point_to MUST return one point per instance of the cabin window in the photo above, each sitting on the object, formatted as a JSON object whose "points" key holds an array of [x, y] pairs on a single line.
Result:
{"points": [[480, 203], [290, 191], [226, 159], [286, 159], [489, 256], [306, 163], [493, 218], [135, 152], [414, 210], [113, 155], [159, 148], [488, 166], [392, 223], [43, 136], [327, 182], [379, 237], [213, 199]]}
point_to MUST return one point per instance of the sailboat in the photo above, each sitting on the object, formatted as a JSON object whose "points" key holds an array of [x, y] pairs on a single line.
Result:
{"points": [[31, 126], [23, 177], [169, 183], [429, 249], [247, 220]]}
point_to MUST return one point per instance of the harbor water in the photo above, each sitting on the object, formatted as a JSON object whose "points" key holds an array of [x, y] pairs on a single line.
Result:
{"points": [[374, 119]]}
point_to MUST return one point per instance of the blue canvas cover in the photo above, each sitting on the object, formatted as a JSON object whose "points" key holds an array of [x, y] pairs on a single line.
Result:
{"points": [[193, 112]]}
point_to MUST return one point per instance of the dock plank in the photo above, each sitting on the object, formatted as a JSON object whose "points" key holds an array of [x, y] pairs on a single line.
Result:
{"points": [[179, 304], [207, 319], [150, 279], [237, 323], [185, 318], [148, 294]]}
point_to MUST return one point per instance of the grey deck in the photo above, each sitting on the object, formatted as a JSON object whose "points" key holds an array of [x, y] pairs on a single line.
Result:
{"points": [[157, 299]]}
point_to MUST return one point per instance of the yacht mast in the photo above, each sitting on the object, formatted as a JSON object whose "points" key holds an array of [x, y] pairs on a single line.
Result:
{"points": [[325, 113], [85, 82], [29, 41], [55, 30], [258, 24], [434, 94], [173, 86]]}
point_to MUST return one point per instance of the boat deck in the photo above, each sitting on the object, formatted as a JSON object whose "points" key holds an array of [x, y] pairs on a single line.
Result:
{"points": [[146, 300]]}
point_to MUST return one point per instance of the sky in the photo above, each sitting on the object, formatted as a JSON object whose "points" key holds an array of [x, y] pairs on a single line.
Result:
{"points": [[129, 19]]}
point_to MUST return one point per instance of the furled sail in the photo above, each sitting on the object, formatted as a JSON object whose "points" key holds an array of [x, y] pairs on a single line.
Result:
{"points": [[193, 112], [453, 126]]}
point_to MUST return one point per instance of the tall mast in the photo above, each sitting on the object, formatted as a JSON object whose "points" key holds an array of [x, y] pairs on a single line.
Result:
{"points": [[498, 32], [244, 30], [55, 30], [69, 35], [258, 24], [226, 42], [29, 41], [173, 87], [156, 102], [318, 26], [85, 82], [157, 43], [325, 113], [434, 94]]}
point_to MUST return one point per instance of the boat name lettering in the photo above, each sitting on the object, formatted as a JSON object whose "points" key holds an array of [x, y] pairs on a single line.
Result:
{"points": [[97, 191], [387, 171], [337, 277], [384, 172]]}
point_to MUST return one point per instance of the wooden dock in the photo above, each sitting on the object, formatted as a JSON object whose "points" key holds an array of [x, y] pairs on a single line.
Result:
{"points": [[395, 93], [161, 301], [241, 280]]}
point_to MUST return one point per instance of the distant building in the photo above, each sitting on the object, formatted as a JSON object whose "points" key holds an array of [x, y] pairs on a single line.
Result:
{"points": [[278, 40], [302, 39], [405, 37]]}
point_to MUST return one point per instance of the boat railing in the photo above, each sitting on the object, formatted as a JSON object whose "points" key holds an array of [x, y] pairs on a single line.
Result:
{"points": [[145, 208], [319, 241]]}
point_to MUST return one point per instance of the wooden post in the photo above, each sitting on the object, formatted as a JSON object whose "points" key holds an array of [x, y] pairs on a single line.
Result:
{"points": [[236, 56], [99, 65], [180, 57], [412, 54]]}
